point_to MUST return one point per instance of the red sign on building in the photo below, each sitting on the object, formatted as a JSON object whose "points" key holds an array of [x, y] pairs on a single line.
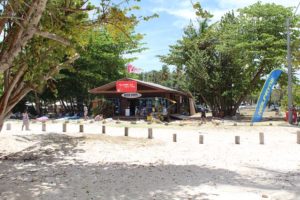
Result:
{"points": [[126, 86]]}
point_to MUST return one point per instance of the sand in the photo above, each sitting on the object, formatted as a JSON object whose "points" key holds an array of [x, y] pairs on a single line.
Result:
{"points": [[55, 165]]}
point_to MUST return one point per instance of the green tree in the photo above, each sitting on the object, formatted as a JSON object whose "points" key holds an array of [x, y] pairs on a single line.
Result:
{"points": [[42, 37], [228, 61], [101, 62]]}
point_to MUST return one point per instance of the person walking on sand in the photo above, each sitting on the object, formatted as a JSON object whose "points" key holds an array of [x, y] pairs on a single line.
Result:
{"points": [[85, 112], [203, 115], [25, 121]]}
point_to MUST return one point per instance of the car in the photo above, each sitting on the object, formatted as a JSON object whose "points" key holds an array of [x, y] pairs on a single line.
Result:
{"points": [[274, 107], [17, 115], [200, 108]]}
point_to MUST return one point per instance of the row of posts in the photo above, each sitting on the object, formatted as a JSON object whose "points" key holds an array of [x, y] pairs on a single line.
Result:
{"points": [[150, 133]]}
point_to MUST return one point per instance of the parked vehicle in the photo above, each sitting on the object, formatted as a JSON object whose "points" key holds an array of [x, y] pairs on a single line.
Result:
{"points": [[200, 108], [274, 107]]}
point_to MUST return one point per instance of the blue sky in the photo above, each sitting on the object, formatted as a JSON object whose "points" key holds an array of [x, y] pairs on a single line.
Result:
{"points": [[174, 15]]}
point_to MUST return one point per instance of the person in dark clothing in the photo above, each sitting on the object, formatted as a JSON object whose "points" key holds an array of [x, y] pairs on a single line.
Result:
{"points": [[203, 115]]}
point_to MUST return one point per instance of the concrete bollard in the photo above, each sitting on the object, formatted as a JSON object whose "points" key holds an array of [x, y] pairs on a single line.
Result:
{"points": [[261, 138], [81, 128], [235, 124], [103, 129], [8, 126], [43, 126], [298, 137], [64, 127], [201, 139], [126, 131], [237, 139], [150, 133], [174, 137]]}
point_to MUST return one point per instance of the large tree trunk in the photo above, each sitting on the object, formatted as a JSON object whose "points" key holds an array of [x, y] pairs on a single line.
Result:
{"points": [[249, 89], [15, 91], [16, 38], [20, 33]]}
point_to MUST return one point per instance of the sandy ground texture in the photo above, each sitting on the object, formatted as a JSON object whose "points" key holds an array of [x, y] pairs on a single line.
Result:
{"points": [[52, 165]]}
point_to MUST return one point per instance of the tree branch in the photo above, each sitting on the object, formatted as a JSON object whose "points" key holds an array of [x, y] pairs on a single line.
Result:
{"points": [[57, 68], [53, 36], [7, 94], [23, 34]]}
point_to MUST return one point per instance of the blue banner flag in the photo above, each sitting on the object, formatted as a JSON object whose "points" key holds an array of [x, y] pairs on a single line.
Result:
{"points": [[265, 95]]}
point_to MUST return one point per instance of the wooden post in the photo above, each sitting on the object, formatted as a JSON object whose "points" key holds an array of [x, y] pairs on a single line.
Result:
{"points": [[237, 139], [298, 137], [126, 131], [150, 135], [81, 128], [103, 129], [43, 126], [64, 127], [174, 137], [261, 138], [201, 139], [8, 126]]}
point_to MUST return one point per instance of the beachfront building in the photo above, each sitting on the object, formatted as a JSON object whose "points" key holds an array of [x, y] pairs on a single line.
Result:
{"points": [[136, 98]]}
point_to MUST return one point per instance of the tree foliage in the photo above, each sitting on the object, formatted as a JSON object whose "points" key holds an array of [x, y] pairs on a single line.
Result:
{"points": [[42, 37], [228, 60]]}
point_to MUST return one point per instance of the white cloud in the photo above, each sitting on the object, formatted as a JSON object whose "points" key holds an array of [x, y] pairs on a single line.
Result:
{"points": [[242, 3], [183, 10], [182, 13]]}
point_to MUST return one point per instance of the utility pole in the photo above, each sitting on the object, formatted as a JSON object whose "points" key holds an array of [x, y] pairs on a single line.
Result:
{"points": [[289, 62]]}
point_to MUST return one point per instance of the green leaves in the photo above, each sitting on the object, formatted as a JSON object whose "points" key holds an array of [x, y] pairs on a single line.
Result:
{"points": [[200, 12], [226, 60]]}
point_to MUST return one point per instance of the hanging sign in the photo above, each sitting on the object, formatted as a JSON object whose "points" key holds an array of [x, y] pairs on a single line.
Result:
{"points": [[131, 95], [126, 86]]}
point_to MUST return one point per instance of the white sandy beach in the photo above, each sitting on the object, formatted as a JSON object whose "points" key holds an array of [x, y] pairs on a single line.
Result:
{"points": [[91, 165]]}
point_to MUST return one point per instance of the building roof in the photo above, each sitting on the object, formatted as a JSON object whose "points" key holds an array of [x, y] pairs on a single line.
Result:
{"points": [[159, 88]]}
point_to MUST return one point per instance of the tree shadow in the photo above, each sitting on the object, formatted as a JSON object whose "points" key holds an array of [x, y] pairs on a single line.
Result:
{"points": [[288, 180], [43, 150], [43, 172]]}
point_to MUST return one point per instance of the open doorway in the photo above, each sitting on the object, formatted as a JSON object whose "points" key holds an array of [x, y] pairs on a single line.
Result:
{"points": [[133, 103]]}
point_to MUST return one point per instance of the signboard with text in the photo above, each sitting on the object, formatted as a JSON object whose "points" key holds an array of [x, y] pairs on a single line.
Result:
{"points": [[126, 86], [131, 95]]}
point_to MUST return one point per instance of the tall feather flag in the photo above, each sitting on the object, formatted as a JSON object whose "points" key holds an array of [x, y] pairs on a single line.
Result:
{"points": [[265, 95], [133, 70]]}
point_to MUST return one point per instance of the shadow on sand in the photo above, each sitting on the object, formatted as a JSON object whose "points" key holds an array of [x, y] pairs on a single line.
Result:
{"points": [[43, 171]]}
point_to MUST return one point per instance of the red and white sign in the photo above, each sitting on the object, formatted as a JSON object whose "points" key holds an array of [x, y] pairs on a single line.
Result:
{"points": [[126, 86]]}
